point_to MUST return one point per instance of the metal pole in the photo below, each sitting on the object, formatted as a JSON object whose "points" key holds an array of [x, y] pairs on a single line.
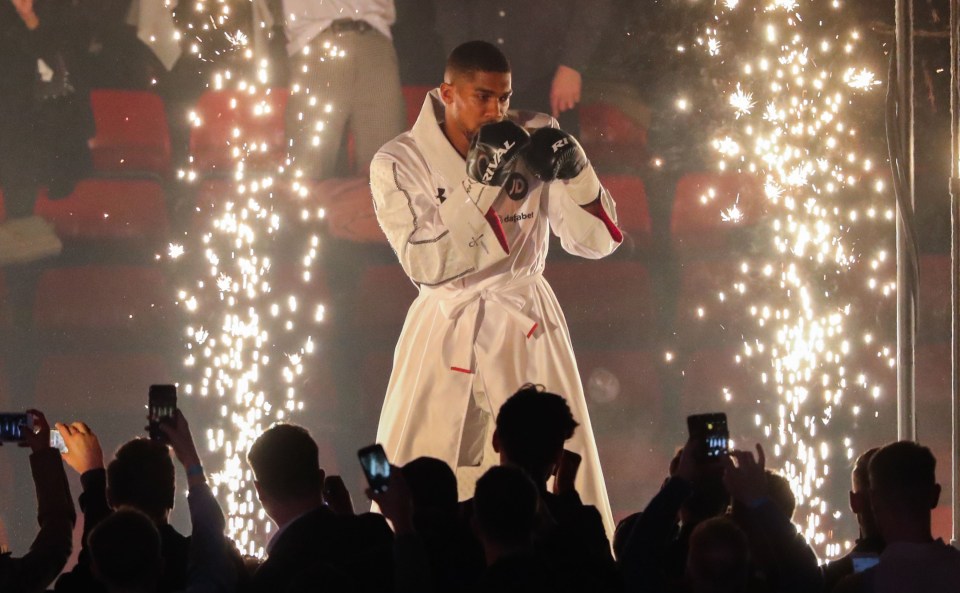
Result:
{"points": [[955, 261], [906, 275]]}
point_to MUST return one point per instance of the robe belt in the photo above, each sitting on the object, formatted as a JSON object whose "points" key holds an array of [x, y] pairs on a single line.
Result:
{"points": [[463, 313]]}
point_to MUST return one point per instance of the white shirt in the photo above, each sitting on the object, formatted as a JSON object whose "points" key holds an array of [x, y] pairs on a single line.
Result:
{"points": [[305, 19]]}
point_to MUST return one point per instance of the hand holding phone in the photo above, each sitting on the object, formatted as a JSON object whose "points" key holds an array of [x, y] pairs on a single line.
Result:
{"points": [[376, 467], [710, 432], [162, 403], [566, 474]]}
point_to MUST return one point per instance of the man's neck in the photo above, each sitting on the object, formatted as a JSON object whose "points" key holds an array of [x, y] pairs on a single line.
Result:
{"points": [[908, 532], [456, 137], [290, 511]]}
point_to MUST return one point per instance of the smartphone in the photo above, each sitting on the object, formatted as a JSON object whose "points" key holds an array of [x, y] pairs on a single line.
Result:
{"points": [[862, 562], [161, 405], [711, 430], [376, 467], [56, 441], [14, 426]]}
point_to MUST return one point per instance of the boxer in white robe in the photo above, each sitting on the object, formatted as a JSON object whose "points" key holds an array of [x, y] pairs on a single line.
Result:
{"points": [[485, 321]]}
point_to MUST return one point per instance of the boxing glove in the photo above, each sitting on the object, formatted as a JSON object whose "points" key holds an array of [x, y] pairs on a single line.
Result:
{"points": [[554, 154], [494, 151]]}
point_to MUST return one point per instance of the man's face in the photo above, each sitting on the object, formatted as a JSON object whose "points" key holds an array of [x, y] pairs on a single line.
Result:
{"points": [[473, 101]]}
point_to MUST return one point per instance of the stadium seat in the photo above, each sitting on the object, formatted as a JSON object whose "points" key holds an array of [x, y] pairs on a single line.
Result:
{"points": [[349, 209], [103, 303], [708, 375], [613, 140], [607, 302], [108, 210], [379, 316], [700, 224], [710, 307], [132, 137], [413, 96], [633, 214], [258, 121]]}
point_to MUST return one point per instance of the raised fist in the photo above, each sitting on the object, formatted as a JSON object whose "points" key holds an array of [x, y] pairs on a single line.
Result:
{"points": [[494, 152], [555, 154]]}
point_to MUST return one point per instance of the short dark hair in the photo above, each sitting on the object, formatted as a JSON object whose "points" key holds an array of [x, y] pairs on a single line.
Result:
{"points": [[860, 477], [532, 426], [505, 505], [475, 56], [125, 550], [779, 491], [433, 486], [142, 476], [719, 553], [903, 475], [285, 461]]}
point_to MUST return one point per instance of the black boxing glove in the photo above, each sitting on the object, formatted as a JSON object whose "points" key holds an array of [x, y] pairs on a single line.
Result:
{"points": [[494, 151], [555, 154]]}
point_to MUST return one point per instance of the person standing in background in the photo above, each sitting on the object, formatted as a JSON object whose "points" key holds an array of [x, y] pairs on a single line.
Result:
{"points": [[343, 75]]}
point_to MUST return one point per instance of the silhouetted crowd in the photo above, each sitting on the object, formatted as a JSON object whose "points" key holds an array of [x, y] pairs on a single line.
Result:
{"points": [[716, 525]]}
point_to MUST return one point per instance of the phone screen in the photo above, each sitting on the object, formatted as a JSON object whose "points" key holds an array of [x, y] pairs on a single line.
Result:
{"points": [[14, 426], [711, 429], [162, 405], [376, 467], [862, 563]]}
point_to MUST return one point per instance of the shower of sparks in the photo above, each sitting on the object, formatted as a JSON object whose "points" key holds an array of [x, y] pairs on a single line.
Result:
{"points": [[249, 362], [818, 186], [174, 251]]}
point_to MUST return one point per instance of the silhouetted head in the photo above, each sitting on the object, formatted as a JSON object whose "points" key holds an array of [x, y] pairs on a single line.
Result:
{"points": [[903, 487], [505, 507], [142, 476], [125, 552], [531, 428], [433, 490], [860, 495], [286, 468], [718, 558], [779, 492]]}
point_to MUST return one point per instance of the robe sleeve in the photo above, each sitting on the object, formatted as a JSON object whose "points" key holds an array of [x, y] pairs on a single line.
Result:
{"points": [[589, 230], [436, 241]]}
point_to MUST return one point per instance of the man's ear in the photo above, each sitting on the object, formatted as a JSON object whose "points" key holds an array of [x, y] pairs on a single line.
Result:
{"points": [[936, 496], [256, 485], [110, 497], [496, 441], [856, 502], [447, 92]]}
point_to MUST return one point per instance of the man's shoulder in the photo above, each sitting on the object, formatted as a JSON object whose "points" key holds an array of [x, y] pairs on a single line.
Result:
{"points": [[400, 148]]}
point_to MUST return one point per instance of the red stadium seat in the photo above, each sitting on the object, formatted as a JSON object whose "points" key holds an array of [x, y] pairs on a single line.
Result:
{"points": [[108, 209], [349, 209], [259, 121], [104, 300], [376, 314], [702, 203], [710, 305], [132, 135], [605, 302], [613, 140], [633, 214], [413, 96]]}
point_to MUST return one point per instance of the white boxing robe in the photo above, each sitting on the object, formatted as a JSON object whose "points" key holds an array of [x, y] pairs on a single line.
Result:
{"points": [[484, 313]]}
